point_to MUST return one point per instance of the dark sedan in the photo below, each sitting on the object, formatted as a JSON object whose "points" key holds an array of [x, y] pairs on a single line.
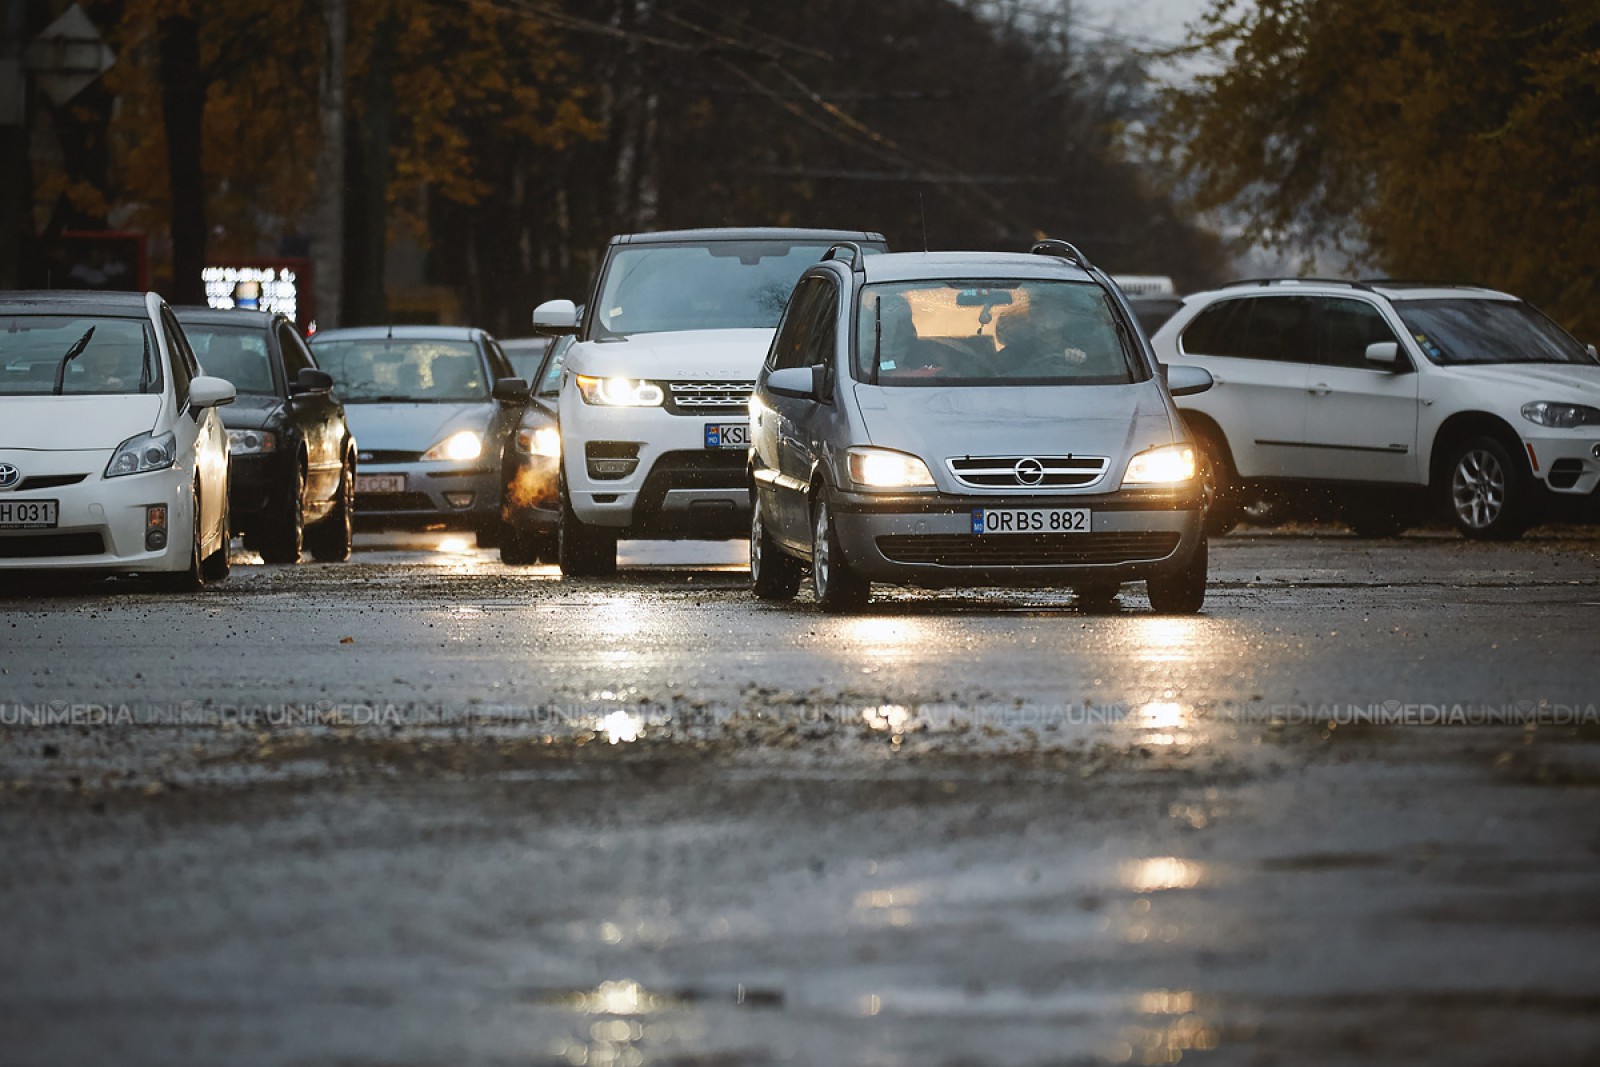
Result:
{"points": [[292, 472]]}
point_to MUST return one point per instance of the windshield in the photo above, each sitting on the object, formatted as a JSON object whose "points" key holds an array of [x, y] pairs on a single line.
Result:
{"points": [[1487, 331], [990, 332], [72, 355], [239, 356], [721, 285], [404, 370]]}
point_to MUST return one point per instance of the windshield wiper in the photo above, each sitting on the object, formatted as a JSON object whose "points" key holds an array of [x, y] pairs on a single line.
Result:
{"points": [[72, 353]]}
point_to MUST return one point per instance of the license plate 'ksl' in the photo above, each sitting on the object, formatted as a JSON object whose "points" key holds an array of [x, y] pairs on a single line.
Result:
{"points": [[727, 435], [986, 521]]}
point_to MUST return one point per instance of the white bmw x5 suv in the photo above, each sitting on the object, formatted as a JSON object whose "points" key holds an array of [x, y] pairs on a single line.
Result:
{"points": [[1379, 397], [654, 403]]}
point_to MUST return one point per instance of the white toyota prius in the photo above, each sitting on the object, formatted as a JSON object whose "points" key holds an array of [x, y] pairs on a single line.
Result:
{"points": [[113, 459]]}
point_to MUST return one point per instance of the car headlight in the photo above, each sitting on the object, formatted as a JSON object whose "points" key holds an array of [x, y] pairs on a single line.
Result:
{"points": [[539, 441], [459, 446], [1561, 416], [147, 452], [1167, 465], [252, 442], [620, 392], [881, 468]]}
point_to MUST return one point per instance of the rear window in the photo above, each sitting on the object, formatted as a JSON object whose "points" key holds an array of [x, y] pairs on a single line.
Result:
{"points": [[976, 332], [1488, 331], [404, 370], [75, 355]]}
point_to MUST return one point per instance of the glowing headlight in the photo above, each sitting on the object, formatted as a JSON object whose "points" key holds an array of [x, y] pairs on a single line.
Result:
{"points": [[459, 446], [1561, 416], [543, 441], [879, 468], [620, 392], [1162, 466], [251, 442], [147, 452]]}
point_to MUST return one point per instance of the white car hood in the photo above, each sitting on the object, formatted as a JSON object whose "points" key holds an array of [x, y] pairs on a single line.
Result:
{"points": [[1551, 381], [75, 423], [939, 423], [413, 427], [689, 355]]}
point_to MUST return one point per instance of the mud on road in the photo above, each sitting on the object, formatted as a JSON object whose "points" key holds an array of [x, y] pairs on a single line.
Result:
{"points": [[424, 809]]}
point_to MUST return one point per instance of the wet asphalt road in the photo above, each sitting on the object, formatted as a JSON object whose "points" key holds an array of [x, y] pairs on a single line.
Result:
{"points": [[422, 808]]}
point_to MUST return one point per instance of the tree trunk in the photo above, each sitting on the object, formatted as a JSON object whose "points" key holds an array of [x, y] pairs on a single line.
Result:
{"points": [[327, 244], [183, 101], [367, 206]]}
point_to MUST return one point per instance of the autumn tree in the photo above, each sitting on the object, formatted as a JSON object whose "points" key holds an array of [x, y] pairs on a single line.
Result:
{"points": [[1439, 139]]}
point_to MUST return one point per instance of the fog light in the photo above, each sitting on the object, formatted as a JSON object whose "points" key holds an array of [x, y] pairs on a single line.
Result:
{"points": [[155, 527], [458, 500], [155, 540]]}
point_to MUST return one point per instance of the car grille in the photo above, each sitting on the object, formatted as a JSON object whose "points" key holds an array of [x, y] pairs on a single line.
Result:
{"points": [[387, 456], [708, 398], [44, 546], [1027, 550], [393, 502], [1002, 472], [49, 481]]}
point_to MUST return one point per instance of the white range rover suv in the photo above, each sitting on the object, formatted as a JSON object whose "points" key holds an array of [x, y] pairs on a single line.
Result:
{"points": [[654, 403], [1375, 397]]}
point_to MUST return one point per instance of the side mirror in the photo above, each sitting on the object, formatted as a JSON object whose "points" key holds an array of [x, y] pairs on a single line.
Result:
{"points": [[511, 390], [207, 392], [799, 383], [1185, 380], [311, 380], [1385, 354], [555, 317]]}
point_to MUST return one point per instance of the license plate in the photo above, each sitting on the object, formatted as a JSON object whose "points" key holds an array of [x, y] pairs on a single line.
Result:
{"points": [[1030, 520], [380, 483], [727, 435], [28, 514]]}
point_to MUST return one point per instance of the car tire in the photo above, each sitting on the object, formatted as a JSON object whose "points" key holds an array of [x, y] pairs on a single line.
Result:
{"points": [[519, 548], [1487, 491], [774, 574], [329, 540], [492, 534], [1097, 596], [193, 578], [584, 551], [282, 528], [1223, 503], [836, 587], [219, 564], [1182, 592]]}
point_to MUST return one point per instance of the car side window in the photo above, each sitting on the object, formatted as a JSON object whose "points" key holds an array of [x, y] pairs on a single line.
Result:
{"points": [[184, 366], [1272, 328], [819, 331], [499, 363], [296, 356], [1218, 330], [1348, 327], [790, 348]]}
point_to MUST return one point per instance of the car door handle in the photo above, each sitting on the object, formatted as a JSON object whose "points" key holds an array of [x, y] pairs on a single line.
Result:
{"points": [[1320, 389]]}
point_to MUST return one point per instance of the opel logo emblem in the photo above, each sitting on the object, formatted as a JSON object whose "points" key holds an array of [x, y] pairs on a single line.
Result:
{"points": [[1029, 471], [9, 476]]}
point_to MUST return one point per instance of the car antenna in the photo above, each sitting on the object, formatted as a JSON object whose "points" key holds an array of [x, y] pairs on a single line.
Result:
{"points": [[922, 213]]}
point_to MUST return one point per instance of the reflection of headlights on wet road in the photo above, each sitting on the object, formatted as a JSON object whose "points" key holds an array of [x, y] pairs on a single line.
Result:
{"points": [[459, 446], [543, 441], [1161, 466]]}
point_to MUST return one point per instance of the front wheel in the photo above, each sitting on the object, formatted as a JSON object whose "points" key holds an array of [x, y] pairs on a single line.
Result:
{"points": [[193, 578], [836, 586], [1184, 591], [774, 575], [329, 540], [519, 548], [584, 551], [283, 527], [1488, 491], [1220, 490]]}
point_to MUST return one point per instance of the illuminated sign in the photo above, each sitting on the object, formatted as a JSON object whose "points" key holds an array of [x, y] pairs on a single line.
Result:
{"points": [[254, 289]]}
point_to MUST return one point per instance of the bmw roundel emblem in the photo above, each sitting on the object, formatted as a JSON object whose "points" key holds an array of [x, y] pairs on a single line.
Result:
{"points": [[1029, 471], [9, 476]]}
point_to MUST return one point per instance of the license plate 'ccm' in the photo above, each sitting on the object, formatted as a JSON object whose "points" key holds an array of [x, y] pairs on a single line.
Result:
{"points": [[727, 435], [1030, 520]]}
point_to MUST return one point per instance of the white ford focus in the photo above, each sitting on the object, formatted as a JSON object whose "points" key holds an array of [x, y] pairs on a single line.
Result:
{"points": [[112, 457]]}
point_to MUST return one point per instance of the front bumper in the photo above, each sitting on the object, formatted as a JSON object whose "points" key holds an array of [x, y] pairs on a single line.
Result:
{"points": [[254, 482], [101, 522], [1567, 464], [422, 500], [532, 500], [927, 540]]}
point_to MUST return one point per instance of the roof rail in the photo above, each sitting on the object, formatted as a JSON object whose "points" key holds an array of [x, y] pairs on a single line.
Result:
{"points": [[1420, 283], [1263, 282], [856, 256], [1050, 246]]}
